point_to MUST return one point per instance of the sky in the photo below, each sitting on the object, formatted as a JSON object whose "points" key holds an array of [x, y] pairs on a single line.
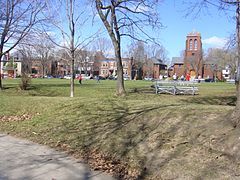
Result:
{"points": [[215, 27]]}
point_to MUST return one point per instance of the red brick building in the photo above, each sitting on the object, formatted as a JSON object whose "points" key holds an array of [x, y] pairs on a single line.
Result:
{"points": [[193, 60], [211, 71], [193, 63], [108, 67], [177, 67], [159, 68]]}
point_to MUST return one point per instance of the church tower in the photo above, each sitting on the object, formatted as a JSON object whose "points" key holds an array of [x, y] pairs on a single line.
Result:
{"points": [[193, 55]]}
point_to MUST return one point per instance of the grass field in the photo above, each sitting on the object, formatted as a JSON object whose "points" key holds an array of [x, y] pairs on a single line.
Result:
{"points": [[141, 135]]}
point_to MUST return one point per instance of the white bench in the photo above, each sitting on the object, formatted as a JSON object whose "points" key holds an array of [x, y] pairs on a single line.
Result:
{"points": [[176, 87]]}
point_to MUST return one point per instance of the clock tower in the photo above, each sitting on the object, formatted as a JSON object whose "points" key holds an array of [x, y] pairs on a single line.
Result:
{"points": [[193, 55]]}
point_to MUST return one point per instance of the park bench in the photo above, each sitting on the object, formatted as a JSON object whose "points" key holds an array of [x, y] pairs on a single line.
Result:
{"points": [[176, 87]]}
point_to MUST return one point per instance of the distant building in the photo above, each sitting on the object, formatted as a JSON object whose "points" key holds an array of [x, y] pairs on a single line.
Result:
{"points": [[193, 60], [177, 67], [159, 68], [226, 73], [192, 63], [11, 66], [109, 67]]}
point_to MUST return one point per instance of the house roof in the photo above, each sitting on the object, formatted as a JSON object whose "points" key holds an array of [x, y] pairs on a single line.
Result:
{"points": [[177, 60], [114, 60], [157, 61]]}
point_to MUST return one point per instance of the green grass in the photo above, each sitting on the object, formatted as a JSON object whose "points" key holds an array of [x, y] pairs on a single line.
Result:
{"points": [[150, 133]]}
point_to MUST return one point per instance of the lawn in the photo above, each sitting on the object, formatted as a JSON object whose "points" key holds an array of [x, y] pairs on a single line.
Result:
{"points": [[142, 135]]}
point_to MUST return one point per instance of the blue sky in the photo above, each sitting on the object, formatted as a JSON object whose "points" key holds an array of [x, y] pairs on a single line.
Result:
{"points": [[215, 27]]}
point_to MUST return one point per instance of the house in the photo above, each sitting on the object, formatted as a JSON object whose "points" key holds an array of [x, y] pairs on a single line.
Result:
{"points": [[177, 67], [159, 68], [226, 73], [211, 71], [11, 66], [108, 67]]}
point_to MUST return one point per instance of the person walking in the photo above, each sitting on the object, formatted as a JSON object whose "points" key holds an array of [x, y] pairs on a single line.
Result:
{"points": [[98, 79], [160, 77], [80, 79], [175, 77], [188, 77]]}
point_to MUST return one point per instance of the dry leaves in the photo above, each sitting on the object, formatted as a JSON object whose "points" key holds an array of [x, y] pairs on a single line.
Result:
{"points": [[99, 161], [103, 162], [12, 118]]}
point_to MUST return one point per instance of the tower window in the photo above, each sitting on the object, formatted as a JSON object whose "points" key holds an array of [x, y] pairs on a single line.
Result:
{"points": [[195, 44], [190, 44]]}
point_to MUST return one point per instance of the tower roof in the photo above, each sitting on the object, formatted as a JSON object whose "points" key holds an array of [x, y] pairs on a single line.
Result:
{"points": [[194, 33]]}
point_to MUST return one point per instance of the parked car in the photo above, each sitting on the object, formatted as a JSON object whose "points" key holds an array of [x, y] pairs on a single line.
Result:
{"points": [[48, 76], [102, 78], [126, 78], [231, 81], [84, 77], [112, 77], [199, 80], [209, 80], [148, 78], [34, 76], [67, 77]]}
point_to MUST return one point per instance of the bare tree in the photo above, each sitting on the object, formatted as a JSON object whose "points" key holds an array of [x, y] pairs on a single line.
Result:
{"points": [[25, 53], [157, 51], [43, 50], [84, 61], [144, 56], [17, 19], [222, 57], [68, 23], [225, 6], [103, 45], [126, 18], [139, 56], [195, 64]]}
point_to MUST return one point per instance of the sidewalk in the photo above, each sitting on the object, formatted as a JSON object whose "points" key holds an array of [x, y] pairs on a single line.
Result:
{"points": [[24, 160]]}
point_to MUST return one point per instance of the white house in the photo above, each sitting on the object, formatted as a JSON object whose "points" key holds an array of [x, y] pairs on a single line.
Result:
{"points": [[226, 73]]}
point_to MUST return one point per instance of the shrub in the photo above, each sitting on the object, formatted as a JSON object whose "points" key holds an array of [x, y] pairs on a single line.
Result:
{"points": [[25, 82]]}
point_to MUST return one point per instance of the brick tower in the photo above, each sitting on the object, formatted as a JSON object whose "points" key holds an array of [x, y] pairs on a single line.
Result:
{"points": [[193, 55]]}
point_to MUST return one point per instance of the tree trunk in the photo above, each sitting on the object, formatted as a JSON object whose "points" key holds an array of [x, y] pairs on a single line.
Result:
{"points": [[236, 113], [120, 91], [1, 86], [43, 71], [72, 75], [72, 47]]}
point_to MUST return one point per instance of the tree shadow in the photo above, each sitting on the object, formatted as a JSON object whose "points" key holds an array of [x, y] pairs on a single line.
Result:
{"points": [[121, 131], [54, 90], [146, 137], [213, 100], [137, 134]]}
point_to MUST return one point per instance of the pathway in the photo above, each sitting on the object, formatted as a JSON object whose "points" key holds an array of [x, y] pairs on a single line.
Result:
{"points": [[24, 160]]}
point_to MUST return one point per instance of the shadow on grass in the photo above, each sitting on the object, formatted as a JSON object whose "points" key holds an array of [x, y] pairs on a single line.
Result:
{"points": [[137, 134], [213, 100], [121, 131], [54, 90], [145, 90]]}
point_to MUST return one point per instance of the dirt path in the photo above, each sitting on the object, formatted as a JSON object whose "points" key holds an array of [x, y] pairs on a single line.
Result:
{"points": [[24, 160]]}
